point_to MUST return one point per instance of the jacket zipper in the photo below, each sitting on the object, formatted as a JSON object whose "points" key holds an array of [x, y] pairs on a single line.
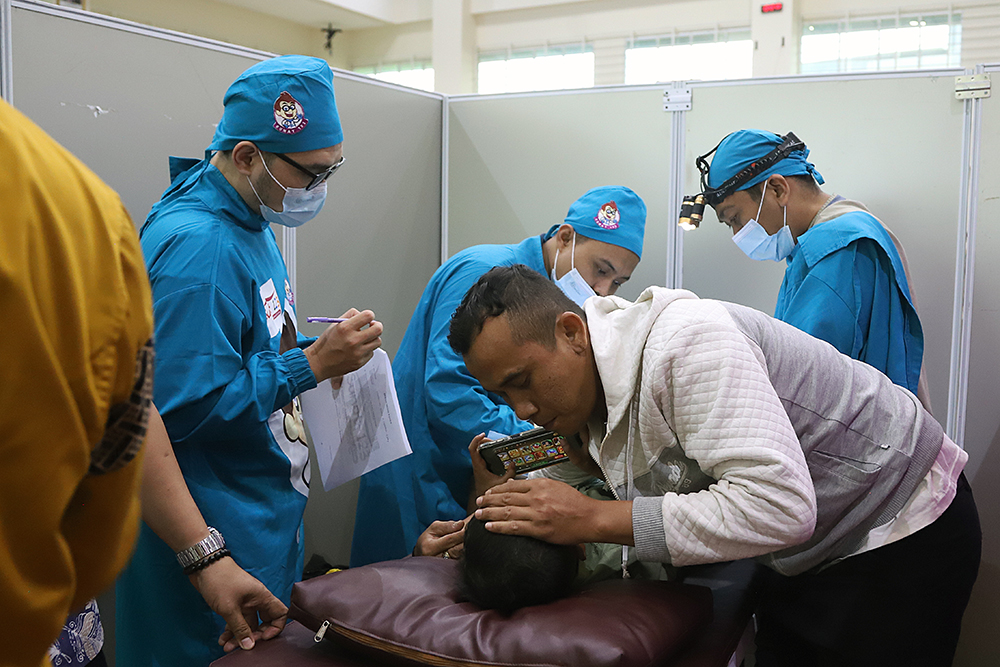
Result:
{"points": [[614, 492]]}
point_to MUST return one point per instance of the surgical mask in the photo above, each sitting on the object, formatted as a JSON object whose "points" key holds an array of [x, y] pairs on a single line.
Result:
{"points": [[757, 244], [298, 206], [572, 283]]}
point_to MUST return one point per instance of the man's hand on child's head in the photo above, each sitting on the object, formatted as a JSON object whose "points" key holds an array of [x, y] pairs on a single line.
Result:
{"points": [[554, 512]]}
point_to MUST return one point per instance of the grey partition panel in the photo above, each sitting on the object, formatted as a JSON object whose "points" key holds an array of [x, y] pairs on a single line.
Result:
{"points": [[982, 423], [377, 241], [893, 143], [121, 101], [517, 163], [375, 245]]}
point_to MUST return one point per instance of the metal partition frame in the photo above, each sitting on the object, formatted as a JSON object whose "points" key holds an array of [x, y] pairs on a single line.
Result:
{"points": [[978, 365], [958, 390], [980, 358], [6, 68]]}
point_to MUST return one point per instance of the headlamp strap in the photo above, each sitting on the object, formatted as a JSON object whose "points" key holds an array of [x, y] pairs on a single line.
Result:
{"points": [[789, 144]]}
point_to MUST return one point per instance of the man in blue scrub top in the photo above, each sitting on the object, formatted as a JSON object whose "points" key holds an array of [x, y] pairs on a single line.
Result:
{"points": [[845, 280], [595, 250], [845, 283], [230, 363]]}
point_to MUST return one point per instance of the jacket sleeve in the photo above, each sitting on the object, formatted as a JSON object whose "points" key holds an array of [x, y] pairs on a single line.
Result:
{"points": [[79, 310], [205, 388], [458, 408], [304, 341], [714, 392]]}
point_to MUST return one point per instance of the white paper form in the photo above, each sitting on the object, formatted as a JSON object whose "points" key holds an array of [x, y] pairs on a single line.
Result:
{"points": [[358, 427]]}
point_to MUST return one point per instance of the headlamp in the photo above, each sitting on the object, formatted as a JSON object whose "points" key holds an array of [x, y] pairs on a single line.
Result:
{"points": [[693, 206], [692, 211]]}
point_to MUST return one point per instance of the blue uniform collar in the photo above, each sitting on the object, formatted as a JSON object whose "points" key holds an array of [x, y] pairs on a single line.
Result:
{"points": [[191, 177], [839, 232], [531, 249]]}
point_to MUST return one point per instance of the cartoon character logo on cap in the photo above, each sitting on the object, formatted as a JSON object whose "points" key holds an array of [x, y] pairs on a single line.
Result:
{"points": [[289, 118], [608, 217]]}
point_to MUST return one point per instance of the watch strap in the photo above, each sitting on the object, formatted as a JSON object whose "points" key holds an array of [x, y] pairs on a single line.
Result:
{"points": [[206, 547]]}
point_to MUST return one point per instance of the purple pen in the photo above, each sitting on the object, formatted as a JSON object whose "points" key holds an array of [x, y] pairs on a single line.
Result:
{"points": [[329, 320]]}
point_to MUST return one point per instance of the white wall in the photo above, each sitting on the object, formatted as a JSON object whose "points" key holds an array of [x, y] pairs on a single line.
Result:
{"points": [[608, 25], [393, 44], [776, 39], [499, 24], [221, 21]]}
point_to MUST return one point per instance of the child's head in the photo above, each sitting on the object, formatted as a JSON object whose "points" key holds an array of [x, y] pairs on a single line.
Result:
{"points": [[506, 572]]}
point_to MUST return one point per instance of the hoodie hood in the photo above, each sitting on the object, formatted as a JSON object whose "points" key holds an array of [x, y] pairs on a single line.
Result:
{"points": [[619, 330]]}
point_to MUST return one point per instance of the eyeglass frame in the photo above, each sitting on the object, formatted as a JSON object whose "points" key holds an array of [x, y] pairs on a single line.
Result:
{"points": [[316, 178]]}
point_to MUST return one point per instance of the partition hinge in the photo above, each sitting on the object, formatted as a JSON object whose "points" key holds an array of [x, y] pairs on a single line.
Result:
{"points": [[677, 99], [972, 87]]}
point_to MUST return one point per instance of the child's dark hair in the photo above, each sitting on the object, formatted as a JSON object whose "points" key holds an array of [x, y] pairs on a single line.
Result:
{"points": [[507, 572]]}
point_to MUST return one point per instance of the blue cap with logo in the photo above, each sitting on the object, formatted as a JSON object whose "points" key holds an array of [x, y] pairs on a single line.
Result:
{"points": [[283, 105], [740, 149], [612, 214]]}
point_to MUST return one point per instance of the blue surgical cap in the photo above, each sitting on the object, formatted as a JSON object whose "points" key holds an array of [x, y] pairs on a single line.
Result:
{"points": [[744, 147], [612, 214], [283, 105]]}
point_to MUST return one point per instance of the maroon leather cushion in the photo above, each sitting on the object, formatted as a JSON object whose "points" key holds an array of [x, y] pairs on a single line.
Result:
{"points": [[408, 612]]}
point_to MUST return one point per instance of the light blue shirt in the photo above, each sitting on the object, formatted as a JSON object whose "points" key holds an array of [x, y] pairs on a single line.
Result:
{"points": [[215, 272], [845, 284], [443, 408]]}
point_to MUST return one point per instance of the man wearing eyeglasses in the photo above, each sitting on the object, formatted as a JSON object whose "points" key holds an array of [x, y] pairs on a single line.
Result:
{"points": [[231, 366]]}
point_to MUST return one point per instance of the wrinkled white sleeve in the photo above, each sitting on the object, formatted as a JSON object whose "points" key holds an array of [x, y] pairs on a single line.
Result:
{"points": [[716, 395]]}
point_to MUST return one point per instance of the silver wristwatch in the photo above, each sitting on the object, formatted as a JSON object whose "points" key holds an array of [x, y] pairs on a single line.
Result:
{"points": [[208, 546]]}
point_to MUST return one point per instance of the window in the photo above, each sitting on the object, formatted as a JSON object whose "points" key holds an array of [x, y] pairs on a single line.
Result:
{"points": [[415, 74], [549, 68], [717, 54], [882, 43]]}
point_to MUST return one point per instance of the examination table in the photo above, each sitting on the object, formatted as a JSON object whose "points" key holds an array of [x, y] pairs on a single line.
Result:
{"points": [[733, 592]]}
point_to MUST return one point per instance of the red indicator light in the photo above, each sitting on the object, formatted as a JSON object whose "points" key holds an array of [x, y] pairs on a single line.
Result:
{"points": [[773, 7]]}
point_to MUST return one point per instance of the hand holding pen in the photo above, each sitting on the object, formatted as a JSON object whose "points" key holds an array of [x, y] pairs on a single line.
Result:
{"points": [[344, 346]]}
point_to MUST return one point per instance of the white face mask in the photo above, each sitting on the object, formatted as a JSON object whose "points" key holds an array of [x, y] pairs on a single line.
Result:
{"points": [[298, 206], [572, 283], [757, 244]]}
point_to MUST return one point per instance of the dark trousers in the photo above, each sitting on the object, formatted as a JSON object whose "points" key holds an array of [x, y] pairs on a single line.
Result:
{"points": [[900, 604]]}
